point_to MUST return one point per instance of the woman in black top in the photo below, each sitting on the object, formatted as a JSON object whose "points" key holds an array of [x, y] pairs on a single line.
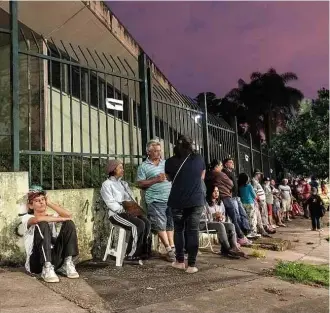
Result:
{"points": [[186, 170], [316, 209]]}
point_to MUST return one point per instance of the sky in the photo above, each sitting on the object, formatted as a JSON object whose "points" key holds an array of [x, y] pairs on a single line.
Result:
{"points": [[208, 46]]}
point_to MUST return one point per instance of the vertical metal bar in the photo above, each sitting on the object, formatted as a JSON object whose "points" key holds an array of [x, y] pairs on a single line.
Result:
{"points": [[145, 131], [14, 84], [261, 160], [81, 127], [137, 114], [205, 131], [130, 133], [89, 92], [269, 165], [71, 123], [238, 165], [151, 104], [251, 154], [29, 108]]}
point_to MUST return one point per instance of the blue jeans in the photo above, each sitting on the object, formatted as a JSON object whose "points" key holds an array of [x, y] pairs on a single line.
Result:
{"points": [[242, 219], [231, 212], [187, 221]]}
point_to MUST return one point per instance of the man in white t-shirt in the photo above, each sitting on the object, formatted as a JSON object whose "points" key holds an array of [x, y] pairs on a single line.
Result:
{"points": [[286, 198], [47, 251]]}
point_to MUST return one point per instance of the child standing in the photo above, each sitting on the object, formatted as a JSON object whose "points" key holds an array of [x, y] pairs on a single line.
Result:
{"points": [[315, 205]]}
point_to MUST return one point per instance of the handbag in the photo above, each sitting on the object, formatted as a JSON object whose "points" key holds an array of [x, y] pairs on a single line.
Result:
{"points": [[131, 206]]}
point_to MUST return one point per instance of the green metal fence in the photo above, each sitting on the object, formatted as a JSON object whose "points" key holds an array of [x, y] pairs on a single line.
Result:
{"points": [[57, 126]]}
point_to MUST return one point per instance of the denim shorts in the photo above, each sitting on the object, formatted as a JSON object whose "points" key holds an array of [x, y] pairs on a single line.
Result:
{"points": [[160, 217]]}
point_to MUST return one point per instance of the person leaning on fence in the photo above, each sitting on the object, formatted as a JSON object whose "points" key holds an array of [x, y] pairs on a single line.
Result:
{"points": [[216, 177], [47, 251], [151, 178], [125, 212]]}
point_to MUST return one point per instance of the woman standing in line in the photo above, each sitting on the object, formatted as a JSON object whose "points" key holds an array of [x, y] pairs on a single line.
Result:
{"points": [[186, 171]]}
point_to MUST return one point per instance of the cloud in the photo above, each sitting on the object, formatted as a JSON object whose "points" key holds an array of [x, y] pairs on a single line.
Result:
{"points": [[208, 46]]}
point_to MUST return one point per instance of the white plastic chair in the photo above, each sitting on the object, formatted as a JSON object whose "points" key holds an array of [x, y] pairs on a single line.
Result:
{"points": [[209, 233], [120, 248]]}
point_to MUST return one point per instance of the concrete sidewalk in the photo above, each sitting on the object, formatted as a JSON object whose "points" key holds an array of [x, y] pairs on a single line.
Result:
{"points": [[221, 285], [20, 293]]}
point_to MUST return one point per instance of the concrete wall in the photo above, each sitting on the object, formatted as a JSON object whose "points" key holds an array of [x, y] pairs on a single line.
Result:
{"points": [[89, 215]]}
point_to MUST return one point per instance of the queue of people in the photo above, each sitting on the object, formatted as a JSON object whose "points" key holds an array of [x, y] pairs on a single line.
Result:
{"points": [[183, 197]]}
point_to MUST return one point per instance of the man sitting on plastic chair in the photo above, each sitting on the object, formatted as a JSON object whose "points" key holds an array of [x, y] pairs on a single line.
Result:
{"points": [[213, 219]]}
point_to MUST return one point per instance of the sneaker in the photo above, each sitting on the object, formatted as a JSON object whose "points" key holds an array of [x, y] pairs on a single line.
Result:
{"points": [[320, 229], [253, 235], [133, 260], [170, 256], [191, 269], [230, 254], [281, 225], [48, 274], [179, 266], [266, 235], [244, 242], [68, 269]]}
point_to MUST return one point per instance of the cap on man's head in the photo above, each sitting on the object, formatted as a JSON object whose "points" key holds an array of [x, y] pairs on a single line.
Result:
{"points": [[256, 171], [112, 165], [266, 179], [34, 192]]}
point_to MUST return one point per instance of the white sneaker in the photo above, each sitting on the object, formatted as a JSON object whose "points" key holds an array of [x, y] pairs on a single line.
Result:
{"points": [[48, 273], [192, 270], [253, 235], [68, 269]]}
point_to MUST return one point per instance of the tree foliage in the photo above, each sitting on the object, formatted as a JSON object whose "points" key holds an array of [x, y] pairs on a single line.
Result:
{"points": [[303, 147], [261, 104]]}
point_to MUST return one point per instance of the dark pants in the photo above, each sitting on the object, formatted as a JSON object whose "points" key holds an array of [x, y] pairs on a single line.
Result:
{"points": [[187, 220], [231, 212], [315, 221], [66, 244], [139, 227], [305, 207], [242, 219]]}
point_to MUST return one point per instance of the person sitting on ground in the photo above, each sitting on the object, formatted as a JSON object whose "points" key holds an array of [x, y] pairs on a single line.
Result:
{"points": [[151, 178], [215, 216], [296, 208], [316, 209], [286, 198], [47, 251], [125, 212], [215, 177]]}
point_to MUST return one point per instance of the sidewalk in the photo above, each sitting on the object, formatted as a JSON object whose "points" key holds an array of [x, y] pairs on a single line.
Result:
{"points": [[221, 285]]}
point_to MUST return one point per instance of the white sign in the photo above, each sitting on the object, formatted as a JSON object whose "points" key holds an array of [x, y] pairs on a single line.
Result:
{"points": [[114, 104], [246, 158]]}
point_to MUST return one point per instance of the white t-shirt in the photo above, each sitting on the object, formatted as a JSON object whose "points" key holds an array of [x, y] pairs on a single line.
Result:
{"points": [[29, 236], [285, 192]]}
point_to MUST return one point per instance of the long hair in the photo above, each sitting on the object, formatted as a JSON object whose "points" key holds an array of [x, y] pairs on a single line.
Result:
{"points": [[209, 191], [213, 164], [183, 147], [243, 179]]}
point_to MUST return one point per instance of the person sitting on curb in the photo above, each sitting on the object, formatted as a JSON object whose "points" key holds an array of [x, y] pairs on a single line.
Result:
{"points": [[47, 251], [119, 199], [214, 216]]}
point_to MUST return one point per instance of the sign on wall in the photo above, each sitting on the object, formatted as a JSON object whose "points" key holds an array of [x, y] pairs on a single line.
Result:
{"points": [[114, 104]]}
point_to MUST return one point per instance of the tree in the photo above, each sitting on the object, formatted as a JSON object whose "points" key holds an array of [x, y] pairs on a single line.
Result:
{"points": [[303, 147]]}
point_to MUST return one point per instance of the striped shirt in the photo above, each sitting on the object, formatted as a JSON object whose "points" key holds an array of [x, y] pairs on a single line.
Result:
{"points": [[158, 192]]}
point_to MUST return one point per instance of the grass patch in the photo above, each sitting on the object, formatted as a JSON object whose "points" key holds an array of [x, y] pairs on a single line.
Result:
{"points": [[303, 273]]}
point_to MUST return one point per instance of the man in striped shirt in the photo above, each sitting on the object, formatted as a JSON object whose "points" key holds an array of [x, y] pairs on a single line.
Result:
{"points": [[151, 177]]}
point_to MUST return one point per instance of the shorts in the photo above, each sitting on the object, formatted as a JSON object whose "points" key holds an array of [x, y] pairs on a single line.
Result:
{"points": [[276, 208], [286, 205], [160, 217], [270, 209]]}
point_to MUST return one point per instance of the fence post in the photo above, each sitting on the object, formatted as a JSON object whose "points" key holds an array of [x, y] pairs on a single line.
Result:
{"points": [[205, 131], [14, 86], [152, 127], [145, 132], [269, 166], [261, 160], [251, 154], [238, 165]]}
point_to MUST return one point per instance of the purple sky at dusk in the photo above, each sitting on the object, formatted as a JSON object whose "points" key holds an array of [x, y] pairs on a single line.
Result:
{"points": [[208, 46]]}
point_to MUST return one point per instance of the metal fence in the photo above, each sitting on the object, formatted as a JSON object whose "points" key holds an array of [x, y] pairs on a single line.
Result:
{"points": [[56, 125]]}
